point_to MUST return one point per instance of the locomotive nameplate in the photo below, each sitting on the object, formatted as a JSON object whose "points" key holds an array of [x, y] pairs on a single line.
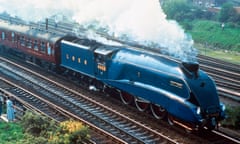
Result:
{"points": [[176, 84]]}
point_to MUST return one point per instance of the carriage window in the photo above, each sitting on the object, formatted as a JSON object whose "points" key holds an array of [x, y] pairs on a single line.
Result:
{"points": [[53, 51], [29, 43], [49, 49], [43, 47], [3, 35], [22, 42], [13, 37], [79, 60], [35, 45]]}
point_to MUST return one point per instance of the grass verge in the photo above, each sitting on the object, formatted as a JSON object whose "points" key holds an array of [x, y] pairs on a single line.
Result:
{"points": [[210, 32], [230, 56], [10, 133]]}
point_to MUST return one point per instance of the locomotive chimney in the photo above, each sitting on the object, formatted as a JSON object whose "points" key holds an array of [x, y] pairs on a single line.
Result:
{"points": [[46, 23], [192, 67]]}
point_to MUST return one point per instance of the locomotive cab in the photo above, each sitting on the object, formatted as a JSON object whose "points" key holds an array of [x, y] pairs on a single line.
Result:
{"points": [[102, 57]]}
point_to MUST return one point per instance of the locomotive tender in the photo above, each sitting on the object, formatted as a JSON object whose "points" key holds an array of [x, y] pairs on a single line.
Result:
{"points": [[180, 91]]}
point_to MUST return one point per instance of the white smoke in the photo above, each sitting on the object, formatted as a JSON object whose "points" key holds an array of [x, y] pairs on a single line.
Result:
{"points": [[142, 21]]}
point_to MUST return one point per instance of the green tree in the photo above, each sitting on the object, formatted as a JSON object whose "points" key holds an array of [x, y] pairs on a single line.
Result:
{"points": [[228, 13], [177, 9]]}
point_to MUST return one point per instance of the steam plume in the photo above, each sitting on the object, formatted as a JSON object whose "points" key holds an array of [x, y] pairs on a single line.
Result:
{"points": [[142, 21]]}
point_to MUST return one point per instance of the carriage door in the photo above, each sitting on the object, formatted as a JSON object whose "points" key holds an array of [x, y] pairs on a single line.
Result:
{"points": [[100, 66]]}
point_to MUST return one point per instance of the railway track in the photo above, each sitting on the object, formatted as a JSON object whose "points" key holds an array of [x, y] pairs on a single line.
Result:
{"points": [[32, 102], [223, 90], [112, 122], [42, 106], [219, 64]]}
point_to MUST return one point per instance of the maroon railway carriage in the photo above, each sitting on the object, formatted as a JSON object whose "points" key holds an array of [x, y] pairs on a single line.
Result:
{"points": [[36, 45]]}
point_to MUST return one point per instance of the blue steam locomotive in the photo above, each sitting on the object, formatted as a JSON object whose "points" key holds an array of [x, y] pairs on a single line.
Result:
{"points": [[178, 91]]}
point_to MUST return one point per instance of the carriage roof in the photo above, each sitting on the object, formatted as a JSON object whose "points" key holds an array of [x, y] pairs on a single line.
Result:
{"points": [[30, 31]]}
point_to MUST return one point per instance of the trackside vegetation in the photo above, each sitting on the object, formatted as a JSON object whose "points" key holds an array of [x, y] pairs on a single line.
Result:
{"points": [[212, 41], [10, 133], [212, 35], [233, 118], [230, 56], [37, 129], [206, 26]]}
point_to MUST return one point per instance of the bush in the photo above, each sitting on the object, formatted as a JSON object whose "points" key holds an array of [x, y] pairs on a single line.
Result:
{"points": [[187, 25], [79, 136], [70, 132], [228, 13], [30, 139], [10, 133], [40, 130], [37, 125], [233, 117], [209, 15]]}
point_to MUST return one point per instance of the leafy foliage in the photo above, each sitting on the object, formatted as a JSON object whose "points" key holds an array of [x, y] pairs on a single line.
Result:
{"points": [[10, 133], [30, 139], [37, 129], [70, 132], [228, 14], [177, 9], [185, 10], [233, 119], [37, 125]]}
